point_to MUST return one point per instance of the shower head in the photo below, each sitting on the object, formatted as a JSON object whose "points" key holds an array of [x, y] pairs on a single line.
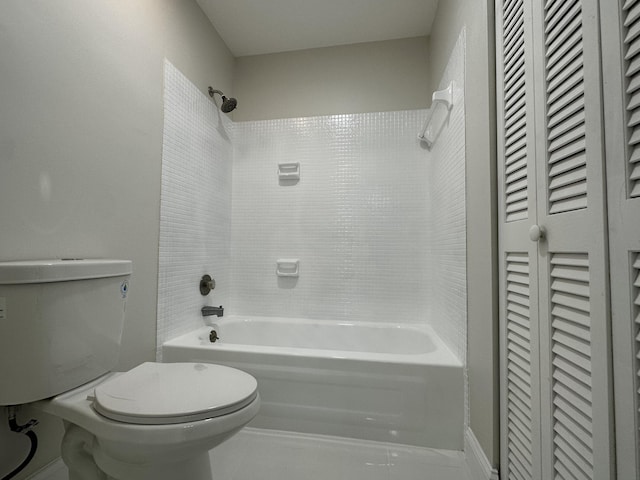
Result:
{"points": [[228, 104]]}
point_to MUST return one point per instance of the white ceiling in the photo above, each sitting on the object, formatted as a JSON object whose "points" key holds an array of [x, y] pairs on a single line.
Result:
{"points": [[254, 27]]}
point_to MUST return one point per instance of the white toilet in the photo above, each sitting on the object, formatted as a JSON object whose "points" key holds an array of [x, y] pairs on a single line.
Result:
{"points": [[61, 324]]}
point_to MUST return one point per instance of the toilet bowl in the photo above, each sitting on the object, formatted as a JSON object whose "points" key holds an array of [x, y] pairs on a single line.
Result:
{"points": [[157, 421], [62, 323]]}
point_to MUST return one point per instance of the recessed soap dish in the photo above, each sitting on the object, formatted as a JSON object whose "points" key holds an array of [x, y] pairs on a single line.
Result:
{"points": [[289, 267], [289, 172]]}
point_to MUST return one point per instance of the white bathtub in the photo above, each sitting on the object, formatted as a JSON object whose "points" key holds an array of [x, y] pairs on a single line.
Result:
{"points": [[373, 381]]}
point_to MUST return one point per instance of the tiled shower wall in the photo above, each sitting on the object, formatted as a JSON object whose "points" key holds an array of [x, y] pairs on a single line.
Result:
{"points": [[195, 206], [447, 245], [376, 220], [356, 220]]}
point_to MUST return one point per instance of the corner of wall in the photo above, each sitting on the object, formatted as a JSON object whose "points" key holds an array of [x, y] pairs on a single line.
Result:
{"points": [[477, 462], [476, 18]]}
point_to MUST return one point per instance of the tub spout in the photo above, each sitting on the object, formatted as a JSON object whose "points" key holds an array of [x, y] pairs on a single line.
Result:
{"points": [[209, 311]]}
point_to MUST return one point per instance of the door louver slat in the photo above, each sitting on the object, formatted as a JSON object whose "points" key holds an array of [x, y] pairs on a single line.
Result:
{"points": [[580, 452], [518, 366], [571, 366], [516, 196], [511, 38], [565, 47], [566, 165], [631, 15], [570, 416], [566, 117], [634, 10], [553, 40]]}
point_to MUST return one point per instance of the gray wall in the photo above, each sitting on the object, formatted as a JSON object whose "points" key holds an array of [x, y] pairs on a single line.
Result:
{"points": [[482, 354], [81, 143], [361, 78]]}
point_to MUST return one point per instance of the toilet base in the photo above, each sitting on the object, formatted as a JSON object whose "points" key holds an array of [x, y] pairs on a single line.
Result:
{"points": [[195, 468], [85, 460]]}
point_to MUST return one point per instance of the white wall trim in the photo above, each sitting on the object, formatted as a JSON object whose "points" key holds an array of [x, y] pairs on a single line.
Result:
{"points": [[477, 462], [56, 470]]}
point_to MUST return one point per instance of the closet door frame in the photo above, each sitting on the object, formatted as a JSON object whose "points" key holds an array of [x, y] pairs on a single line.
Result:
{"points": [[624, 241]]}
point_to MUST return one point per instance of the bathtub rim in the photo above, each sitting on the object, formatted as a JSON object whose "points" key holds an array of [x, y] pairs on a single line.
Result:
{"points": [[441, 356]]}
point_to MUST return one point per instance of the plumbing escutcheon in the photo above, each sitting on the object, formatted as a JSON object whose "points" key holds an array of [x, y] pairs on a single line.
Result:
{"points": [[213, 336]]}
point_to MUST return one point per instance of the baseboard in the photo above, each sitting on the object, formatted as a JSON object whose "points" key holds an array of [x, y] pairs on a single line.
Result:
{"points": [[477, 462], [56, 470]]}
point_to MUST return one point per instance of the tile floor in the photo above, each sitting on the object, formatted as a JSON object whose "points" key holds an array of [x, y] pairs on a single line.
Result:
{"points": [[279, 455], [255, 454]]}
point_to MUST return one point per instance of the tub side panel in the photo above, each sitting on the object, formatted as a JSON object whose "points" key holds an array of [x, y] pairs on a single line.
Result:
{"points": [[413, 404]]}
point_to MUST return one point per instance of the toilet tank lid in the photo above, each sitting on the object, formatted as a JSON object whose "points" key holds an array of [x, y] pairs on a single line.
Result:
{"points": [[61, 270]]}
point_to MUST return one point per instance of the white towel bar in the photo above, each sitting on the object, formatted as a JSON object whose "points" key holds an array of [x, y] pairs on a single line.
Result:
{"points": [[442, 99]]}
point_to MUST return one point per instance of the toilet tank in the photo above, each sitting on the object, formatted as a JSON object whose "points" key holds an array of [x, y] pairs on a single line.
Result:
{"points": [[61, 324]]}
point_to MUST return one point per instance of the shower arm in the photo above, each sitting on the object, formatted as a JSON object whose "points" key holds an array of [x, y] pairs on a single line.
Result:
{"points": [[212, 91]]}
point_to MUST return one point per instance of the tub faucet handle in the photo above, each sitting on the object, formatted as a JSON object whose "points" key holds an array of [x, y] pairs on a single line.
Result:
{"points": [[207, 284]]}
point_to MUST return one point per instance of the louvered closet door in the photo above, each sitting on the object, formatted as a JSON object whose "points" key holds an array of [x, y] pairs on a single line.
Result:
{"points": [[574, 348], [621, 67], [520, 386]]}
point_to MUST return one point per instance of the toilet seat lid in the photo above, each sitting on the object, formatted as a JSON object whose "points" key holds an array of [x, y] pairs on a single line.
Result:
{"points": [[167, 393]]}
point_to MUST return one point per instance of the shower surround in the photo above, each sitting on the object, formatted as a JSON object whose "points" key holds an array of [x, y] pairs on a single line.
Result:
{"points": [[361, 220], [376, 221]]}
